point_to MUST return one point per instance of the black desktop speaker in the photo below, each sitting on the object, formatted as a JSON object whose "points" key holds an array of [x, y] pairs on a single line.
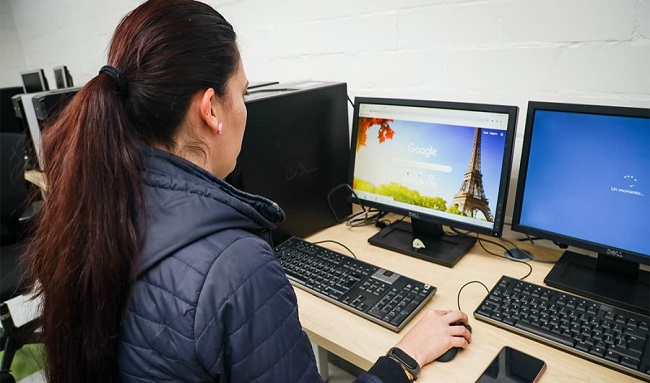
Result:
{"points": [[295, 151]]}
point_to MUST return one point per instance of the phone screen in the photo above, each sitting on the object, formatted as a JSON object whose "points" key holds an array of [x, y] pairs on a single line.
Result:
{"points": [[513, 366]]}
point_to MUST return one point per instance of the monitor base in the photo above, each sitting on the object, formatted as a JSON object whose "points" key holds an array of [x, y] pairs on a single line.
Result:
{"points": [[442, 249], [602, 279]]}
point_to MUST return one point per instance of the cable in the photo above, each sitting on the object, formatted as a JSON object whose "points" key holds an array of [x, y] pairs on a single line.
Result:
{"points": [[329, 203], [469, 283], [359, 219], [351, 103], [510, 242], [529, 239], [382, 223], [367, 220], [338, 243], [480, 242], [532, 255]]}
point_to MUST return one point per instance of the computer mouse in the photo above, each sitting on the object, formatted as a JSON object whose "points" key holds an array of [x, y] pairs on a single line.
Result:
{"points": [[451, 353]]}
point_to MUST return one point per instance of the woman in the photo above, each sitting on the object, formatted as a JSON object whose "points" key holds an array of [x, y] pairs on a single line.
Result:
{"points": [[150, 266]]}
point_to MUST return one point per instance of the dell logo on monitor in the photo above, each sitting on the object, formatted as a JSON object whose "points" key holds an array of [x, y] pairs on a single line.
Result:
{"points": [[615, 253], [413, 214]]}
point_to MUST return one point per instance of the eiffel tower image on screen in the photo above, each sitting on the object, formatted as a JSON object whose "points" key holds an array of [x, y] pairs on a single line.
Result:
{"points": [[471, 196]]}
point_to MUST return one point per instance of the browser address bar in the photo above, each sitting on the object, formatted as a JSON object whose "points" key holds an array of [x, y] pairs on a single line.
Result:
{"points": [[455, 117]]}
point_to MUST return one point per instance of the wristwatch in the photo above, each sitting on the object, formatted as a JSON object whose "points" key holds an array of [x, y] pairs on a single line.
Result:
{"points": [[410, 366]]}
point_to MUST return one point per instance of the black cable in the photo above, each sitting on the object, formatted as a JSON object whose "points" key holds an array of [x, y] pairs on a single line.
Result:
{"points": [[382, 223], [469, 283], [510, 242], [338, 243], [351, 103], [457, 233], [527, 252], [480, 242], [529, 239], [367, 220], [357, 219], [329, 203], [532, 255]]}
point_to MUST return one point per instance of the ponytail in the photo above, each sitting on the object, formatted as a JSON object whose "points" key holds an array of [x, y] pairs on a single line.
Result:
{"points": [[85, 246], [83, 257]]}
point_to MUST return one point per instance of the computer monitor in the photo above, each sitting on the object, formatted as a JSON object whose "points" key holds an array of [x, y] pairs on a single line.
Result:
{"points": [[584, 181], [62, 77], [34, 81], [439, 163]]}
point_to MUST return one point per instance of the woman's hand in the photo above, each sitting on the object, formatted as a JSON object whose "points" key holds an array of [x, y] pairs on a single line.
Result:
{"points": [[433, 335]]}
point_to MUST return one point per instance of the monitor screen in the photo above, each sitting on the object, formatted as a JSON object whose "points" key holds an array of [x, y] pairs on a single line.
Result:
{"points": [[585, 179], [586, 171], [439, 163], [62, 77], [34, 81]]}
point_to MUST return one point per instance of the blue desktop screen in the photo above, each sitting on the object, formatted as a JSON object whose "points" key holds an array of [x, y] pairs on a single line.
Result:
{"points": [[588, 178]]}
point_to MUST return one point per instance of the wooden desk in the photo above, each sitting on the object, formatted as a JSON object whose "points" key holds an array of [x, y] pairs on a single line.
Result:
{"points": [[361, 342]]}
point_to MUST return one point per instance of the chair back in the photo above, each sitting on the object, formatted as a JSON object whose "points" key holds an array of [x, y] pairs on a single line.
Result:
{"points": [[13, 186]]}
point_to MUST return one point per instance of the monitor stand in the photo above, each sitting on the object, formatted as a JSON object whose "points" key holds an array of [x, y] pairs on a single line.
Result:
{"points": [[606, 279], [438, 248]]}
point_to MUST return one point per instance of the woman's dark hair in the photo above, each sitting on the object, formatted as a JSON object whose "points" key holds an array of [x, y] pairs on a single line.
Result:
{"points": [[84, 253]]}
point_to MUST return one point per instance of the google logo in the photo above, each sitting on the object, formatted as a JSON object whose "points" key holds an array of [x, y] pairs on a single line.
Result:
{"points": [[427, 152]]}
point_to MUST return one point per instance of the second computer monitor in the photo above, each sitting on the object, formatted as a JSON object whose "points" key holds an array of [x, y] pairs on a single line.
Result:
{"points": [[34, 81], [584, 181], [62, 77], [439, 163]]}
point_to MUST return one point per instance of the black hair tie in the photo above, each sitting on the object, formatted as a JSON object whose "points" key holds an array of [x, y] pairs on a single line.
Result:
{"points": [[117, 77]]}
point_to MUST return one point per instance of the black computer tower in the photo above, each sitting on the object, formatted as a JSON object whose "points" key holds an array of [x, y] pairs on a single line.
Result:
{"points": [[295, 151], [8, 121]]}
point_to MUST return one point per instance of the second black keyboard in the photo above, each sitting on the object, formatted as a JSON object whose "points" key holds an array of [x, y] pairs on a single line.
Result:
{"points": [[377, 294], [601, 333]]}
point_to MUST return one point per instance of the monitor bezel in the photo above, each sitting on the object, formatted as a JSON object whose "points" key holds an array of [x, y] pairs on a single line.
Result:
{"points": [[533, 107], [61, 71], [500, 210], [65, 76], [42, 78]]}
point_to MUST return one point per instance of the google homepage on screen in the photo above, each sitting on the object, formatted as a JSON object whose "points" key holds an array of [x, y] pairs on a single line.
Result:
{"points": [[431, 160]]}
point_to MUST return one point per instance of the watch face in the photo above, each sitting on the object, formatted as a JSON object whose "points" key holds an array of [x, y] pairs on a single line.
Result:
{"points": [[405, 358]]}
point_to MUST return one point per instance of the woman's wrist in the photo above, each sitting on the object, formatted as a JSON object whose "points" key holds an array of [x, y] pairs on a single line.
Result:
{"points": [[410, 366]]}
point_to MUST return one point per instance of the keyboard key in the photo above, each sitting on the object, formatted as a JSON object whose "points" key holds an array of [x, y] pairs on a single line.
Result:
{"points": [[567, 341], [630, 362]]}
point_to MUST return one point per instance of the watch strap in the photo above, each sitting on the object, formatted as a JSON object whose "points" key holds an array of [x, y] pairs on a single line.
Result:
{"points": [[410, 366]]}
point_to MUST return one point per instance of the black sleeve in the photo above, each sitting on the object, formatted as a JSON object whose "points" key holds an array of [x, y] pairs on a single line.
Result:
{"points": [[386, 370]]}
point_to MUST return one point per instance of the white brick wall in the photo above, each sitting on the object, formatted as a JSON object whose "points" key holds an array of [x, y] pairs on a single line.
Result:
{"points": [[491, 51], [12, 59]]}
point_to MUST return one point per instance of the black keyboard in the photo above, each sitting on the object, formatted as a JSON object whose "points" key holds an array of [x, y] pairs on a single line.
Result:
{"points": [[377, 294], [604, 334]]}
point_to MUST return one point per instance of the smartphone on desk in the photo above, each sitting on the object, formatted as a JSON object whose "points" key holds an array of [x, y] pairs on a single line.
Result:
{"points": [[513, 366]]}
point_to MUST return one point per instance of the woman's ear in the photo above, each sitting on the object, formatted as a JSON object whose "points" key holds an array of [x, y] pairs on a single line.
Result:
{"points": [[208, 111]]}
